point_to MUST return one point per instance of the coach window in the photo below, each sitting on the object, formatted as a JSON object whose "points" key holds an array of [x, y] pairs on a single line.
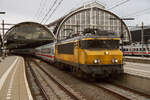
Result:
{"points": [[51, 51], [144, 49]]}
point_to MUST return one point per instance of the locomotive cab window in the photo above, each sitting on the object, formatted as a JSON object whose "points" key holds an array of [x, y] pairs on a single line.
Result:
{"points": [[99, 44]]}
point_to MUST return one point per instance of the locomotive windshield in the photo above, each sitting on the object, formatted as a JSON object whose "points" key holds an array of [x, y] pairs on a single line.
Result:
{"points": [[100, 32], [99, 44]]}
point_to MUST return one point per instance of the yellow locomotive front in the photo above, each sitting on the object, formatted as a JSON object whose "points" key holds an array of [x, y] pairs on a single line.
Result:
{"points": [[99, 56], [95, 53]]}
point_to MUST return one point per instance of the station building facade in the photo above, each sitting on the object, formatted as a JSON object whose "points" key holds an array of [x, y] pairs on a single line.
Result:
{"points": [[92, 15]]}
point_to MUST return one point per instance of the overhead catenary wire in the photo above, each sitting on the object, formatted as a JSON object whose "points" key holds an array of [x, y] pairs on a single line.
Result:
{"points": [[37, 12], [53, 11], [111, 4], [121, 3], [137, 12], [54, 3], [42, 9]]}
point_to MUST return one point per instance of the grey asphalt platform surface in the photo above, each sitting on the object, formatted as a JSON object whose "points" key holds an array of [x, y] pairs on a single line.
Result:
{"points": [[13, 83], [138, 69]]}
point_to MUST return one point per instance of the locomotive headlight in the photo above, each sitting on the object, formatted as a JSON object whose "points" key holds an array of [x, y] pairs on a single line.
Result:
{"points": [[96, 61], [115, 60], [106, 53]]}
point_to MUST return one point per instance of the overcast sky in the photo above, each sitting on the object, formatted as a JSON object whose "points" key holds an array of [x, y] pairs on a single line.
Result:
{"points": [[30, 10]]}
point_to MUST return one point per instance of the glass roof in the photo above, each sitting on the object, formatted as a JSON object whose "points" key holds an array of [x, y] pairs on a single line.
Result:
{"points": [[29, 31], [28, 35]]}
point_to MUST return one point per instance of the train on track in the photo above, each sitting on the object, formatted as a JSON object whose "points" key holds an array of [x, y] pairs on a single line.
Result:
{"points": [[136, 50], [95, 53]]}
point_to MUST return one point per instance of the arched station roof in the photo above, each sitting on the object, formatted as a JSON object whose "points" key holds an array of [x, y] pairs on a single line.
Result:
{"points": [[28, 35], [91, 17]]}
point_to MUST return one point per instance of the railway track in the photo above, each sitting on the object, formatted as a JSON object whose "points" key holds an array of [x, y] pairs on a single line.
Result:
{"points": [[134, 91], [41, 72], [37, 90], [71, 94], [123, 93], [110, 92], [117, 91]]}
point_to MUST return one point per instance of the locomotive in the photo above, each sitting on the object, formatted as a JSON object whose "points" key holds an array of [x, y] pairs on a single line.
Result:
{"points": [[94, 53]]}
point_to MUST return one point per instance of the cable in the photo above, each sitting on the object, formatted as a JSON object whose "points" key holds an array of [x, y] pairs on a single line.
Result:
{"points": [[49, 11], [42, 9], [53, 11], [138, 12], [38, 9], [108, 1], [118, 4]]}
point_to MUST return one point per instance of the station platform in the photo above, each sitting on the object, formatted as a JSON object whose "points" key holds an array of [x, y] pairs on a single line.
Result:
{"points": [[13, 82], [137, 69], [136, 57]]}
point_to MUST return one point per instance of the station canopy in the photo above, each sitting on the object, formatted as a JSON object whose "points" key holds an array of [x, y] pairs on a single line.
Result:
{"points": [[93, 16], [28, 35]]}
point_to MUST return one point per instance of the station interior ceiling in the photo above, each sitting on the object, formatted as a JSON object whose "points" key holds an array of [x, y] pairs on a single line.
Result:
{"points": [[28, 35]]}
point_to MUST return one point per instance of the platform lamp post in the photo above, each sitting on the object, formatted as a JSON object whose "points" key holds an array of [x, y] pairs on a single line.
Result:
{"points": [[3, 55], [142, 38], [0, 46]]}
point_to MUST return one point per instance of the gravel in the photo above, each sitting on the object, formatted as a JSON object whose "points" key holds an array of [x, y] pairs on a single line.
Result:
{"points": [[51, 89], [81, 87]]}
